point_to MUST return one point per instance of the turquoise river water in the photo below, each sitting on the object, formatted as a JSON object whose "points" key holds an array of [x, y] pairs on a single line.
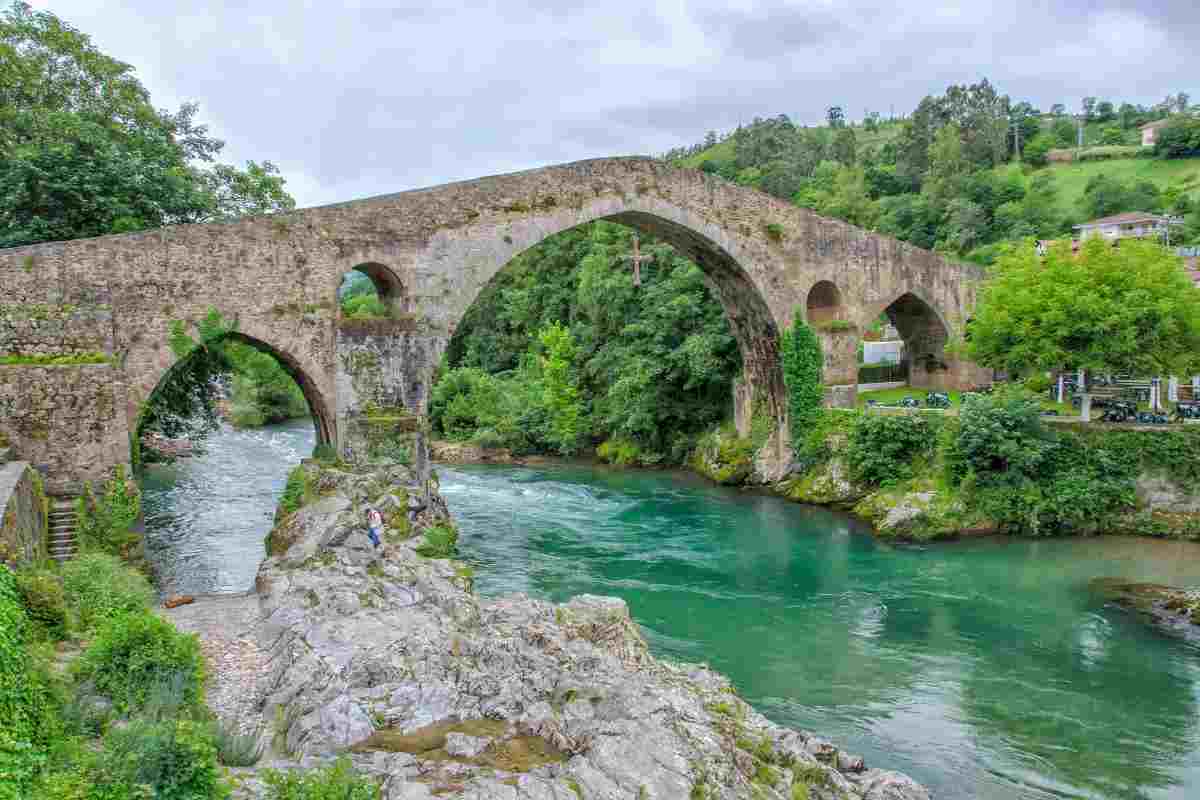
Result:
{"points": [[985, 669]]}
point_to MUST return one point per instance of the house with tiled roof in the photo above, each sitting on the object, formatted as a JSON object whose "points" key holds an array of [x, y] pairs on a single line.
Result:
{"points": [[1125, 225], [1150, 130]]}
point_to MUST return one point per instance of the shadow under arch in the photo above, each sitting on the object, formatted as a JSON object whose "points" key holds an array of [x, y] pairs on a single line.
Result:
{"points": [[318, 407], [388, 286], [823, 302], [925, 332]]}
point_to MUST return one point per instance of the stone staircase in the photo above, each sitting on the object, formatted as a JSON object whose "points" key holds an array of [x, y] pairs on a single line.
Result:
{"points": [[62, 545]]}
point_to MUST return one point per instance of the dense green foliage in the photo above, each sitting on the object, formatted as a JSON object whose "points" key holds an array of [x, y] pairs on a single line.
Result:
{"points": [[562, 350], [100, 588], [338, 781], [27, 707], [952, 175], [800, 354], [1130, 309], [84, 152], [57, 733], [1179, 139], [262, 391], [133, 654], [999, 464], [1027, 478]]}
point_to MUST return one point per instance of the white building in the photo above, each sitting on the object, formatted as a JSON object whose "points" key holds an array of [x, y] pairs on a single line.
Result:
{"points": [[1128, 224]]}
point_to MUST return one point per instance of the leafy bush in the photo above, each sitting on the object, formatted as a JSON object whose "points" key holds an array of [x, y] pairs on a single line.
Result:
{"points": [[45, 603], [324, 452], [295, 492], [621, 452], [174, 760], [236, 749], [99, 588], [137, 653], [882, 449], [335, 782], [441, 541], [1001, 439], [365, 306], [103, 523], [488, 439]]}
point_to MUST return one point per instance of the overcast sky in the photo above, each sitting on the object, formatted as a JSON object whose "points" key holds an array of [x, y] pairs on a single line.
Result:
{"points": [[364, 97]]}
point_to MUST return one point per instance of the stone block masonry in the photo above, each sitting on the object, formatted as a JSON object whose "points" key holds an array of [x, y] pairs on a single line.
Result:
{"points": [[22, 514], [430, 252]]}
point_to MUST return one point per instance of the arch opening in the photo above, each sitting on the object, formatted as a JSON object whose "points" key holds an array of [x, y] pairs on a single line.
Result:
{"points": [[925, 335], [235, 376], [824, 304], [371, 291], [616, 325]]}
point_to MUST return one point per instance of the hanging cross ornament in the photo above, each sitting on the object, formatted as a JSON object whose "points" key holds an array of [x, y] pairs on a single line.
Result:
{"points": [[637, 259]]}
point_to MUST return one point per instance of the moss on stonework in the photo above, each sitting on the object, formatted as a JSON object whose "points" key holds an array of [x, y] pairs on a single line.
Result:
{"points": [[59, 360], [511, 754]]}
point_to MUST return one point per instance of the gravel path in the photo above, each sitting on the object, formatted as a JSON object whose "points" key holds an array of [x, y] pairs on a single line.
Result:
{"points": [[224, 626]]}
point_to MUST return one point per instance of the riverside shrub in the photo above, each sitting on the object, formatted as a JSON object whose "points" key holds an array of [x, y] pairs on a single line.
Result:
{"points": [[45, 602], [883, 449], [173, 760], [136, 653], [335, 782], [99, 588]]}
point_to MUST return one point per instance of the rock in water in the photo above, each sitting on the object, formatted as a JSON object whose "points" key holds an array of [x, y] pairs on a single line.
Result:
{"points": [[439, 693]]}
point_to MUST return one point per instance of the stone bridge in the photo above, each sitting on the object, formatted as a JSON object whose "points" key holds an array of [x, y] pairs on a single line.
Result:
{"points": [[112, 300]]}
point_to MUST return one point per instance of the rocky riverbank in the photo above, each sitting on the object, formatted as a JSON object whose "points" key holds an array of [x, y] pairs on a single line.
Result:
{"points": [[1172, 609], [388, 655]]}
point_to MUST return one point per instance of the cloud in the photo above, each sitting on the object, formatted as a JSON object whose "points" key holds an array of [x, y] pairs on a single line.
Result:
{"points": [[367, 97]]}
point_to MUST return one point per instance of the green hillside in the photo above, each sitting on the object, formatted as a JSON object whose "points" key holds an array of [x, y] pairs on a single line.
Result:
{"points": [[1182, 174]]}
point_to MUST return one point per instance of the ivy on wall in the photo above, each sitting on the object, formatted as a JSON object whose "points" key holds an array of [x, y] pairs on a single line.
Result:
{"points": [[800, 352]]}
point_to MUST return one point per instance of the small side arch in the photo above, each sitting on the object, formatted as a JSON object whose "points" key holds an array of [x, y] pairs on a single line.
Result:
{"points": [[390, 290], [823, 304]]}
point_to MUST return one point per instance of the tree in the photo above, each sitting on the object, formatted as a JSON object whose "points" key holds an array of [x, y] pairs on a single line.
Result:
{"points": [[1178, 139], [1038, 150], [83, 151], [1128, 114], [1064, 132], [1058, 109], [1111, 134], [800, 354], [560, 389], [844, 147], [1105, 112], [836, 117], [1104, 195], [1130, 309], [1089, 108]]}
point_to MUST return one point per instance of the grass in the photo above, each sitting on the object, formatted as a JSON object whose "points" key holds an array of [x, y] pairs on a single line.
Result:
{"points": [[894, 396], [1071, 179]]}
